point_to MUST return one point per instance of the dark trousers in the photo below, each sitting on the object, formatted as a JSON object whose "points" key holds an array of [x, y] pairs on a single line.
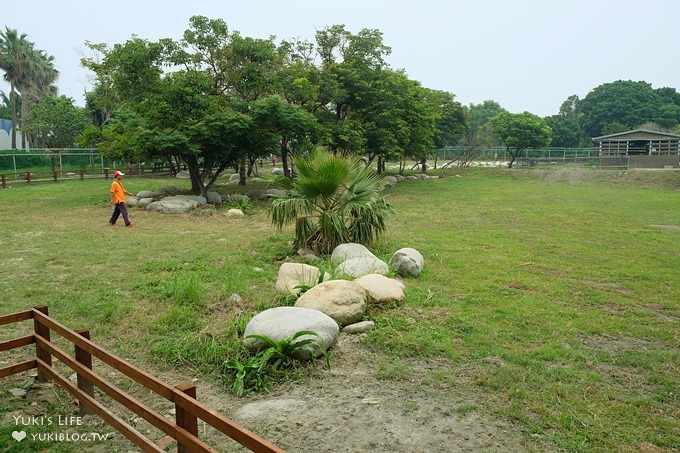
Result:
{"points": [[118, 210]]}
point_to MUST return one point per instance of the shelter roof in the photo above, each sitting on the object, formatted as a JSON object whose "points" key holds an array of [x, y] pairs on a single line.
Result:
{"points": [[637, 134]]}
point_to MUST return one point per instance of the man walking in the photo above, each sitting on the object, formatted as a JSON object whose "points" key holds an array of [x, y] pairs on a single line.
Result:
{"points": [[118, 193]]}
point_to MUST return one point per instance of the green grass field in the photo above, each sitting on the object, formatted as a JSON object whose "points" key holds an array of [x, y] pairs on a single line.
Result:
{"points": [[554, 293]]}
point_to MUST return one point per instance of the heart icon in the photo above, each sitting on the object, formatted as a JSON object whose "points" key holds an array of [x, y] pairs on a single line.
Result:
{"points": [[19, 435]]}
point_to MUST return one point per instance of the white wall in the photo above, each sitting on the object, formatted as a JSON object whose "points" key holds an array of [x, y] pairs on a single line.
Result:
{"points": [[6, 140]]}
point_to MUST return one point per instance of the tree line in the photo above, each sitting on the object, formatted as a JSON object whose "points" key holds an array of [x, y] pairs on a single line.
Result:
{"points": [[217, 99]]}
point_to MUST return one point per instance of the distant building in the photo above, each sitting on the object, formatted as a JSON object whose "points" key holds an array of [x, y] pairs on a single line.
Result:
{"points": [[642, 148], [6, 135]]}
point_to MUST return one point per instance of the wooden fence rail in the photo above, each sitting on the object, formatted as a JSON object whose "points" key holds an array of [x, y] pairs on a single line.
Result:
{"points": [[33, 177], [187, 409]]}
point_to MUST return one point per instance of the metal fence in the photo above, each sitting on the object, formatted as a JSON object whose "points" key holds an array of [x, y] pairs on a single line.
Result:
{"points": [[16, 161], [499, 153]]}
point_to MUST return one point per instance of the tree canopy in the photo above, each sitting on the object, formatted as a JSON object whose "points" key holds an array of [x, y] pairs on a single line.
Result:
{"points": [[520, 131], [216, 99]]}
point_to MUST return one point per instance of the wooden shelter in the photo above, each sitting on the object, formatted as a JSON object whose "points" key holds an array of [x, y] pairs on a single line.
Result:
{"points": [[639, 142], [640, 148]]}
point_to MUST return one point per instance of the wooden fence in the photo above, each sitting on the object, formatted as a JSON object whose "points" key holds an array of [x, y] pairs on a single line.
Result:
{"points": [[187, 409], [33, 177]]}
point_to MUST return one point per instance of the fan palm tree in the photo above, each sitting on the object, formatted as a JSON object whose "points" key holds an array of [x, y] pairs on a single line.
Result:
{"points": [[29, 71], [14, 48], [335, 199]]}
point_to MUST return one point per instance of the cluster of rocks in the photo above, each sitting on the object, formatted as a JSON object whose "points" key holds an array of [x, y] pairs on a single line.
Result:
{"points": [[169, 200], [326, 305]]}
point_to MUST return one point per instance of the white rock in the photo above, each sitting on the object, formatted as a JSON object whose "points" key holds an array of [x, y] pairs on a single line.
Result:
{"points": [[294, 277], [358, 267], [234, 212], [359, 327], [344, 252], [280, 323]]}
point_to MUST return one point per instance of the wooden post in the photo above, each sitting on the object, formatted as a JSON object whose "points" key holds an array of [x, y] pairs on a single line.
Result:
{"points": [[4, 181], [82, 174], [41, 353], [55, 173], [183, 418], [106, 173], [28, 178], [85, 358]]}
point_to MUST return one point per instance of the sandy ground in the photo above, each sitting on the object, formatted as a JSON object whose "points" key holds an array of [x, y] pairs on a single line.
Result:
{"points": [[345, 409]]}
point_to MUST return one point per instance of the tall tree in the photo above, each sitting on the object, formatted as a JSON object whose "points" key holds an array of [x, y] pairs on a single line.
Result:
{"points": [[15, 48], [29, 71], [479, 133], [520, 131], [617, 105], [56, 122]]}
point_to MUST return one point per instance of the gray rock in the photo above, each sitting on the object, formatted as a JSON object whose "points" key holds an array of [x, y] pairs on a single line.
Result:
{"points": [[144, 202], [198, 199], [145, 194], [171, 207], [342, 300], [280, 323], [132, 201], [214, 197], [358, 267], [407, 261], [359, 327]]}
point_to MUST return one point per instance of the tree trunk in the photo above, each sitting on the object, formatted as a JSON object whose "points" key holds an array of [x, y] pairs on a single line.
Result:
{"points": [[242, 171], [284, 157], [13, 102], [380, 165], [195, 176], [423, 165]]}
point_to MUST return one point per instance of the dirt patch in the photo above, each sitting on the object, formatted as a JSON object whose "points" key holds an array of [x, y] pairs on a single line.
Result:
{"points": [[361, 404]]}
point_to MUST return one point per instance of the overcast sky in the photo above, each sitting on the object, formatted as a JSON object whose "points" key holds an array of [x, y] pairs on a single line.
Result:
{"points": [[527, 55]]}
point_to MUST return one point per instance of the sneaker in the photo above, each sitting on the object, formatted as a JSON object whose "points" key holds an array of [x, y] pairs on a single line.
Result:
{"points": [[112, 224], [131, 225]]}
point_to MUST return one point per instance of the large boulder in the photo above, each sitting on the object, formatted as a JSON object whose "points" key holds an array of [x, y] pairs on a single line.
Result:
{"points": [[132, 201], [144, 202], [342, 300], [214, 197], [280, 323], [358, 267], [198, 199], [382, 290], [407, 261], [171, 207], [144, 194], [348, 251], [293, 278]]}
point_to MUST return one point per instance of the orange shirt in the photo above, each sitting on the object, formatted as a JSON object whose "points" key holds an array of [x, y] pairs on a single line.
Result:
{"points": [[118, 192]]}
